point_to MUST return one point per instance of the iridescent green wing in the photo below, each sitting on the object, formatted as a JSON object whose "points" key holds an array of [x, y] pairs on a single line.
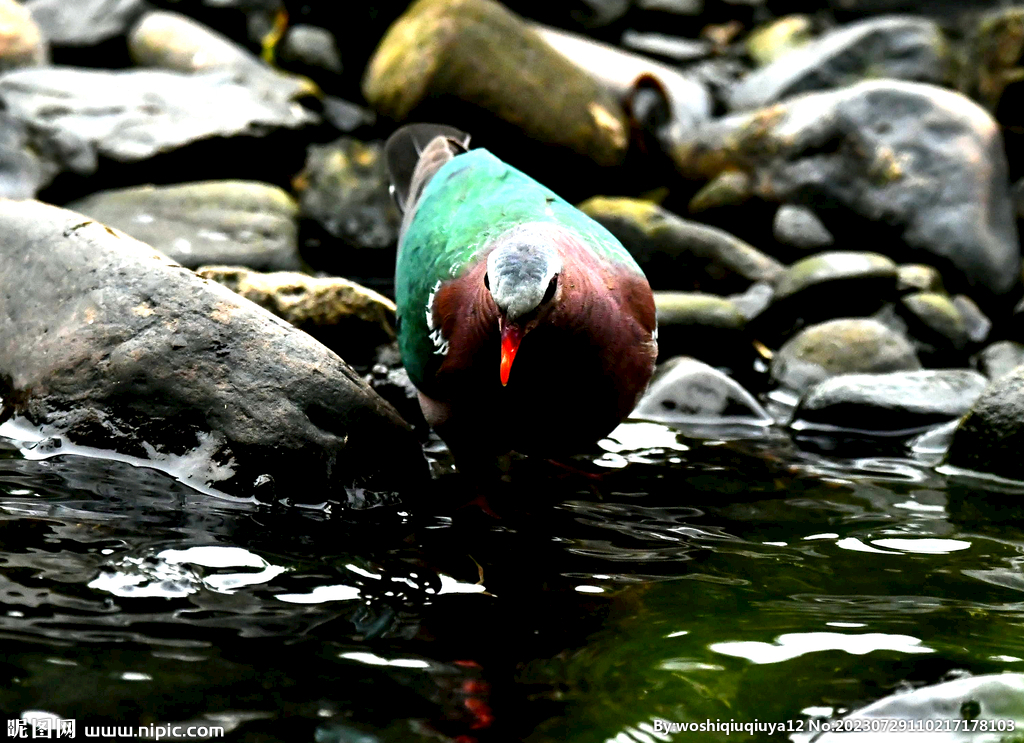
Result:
{"points": [[469, 202]]}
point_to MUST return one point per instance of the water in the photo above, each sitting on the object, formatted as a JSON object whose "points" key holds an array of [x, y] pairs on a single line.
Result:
{"points": [[668, 579]]}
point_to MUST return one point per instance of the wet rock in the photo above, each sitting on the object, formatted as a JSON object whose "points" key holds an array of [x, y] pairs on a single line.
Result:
{"points": [[240, 223], [687, 101], [888, 403], [172, 41], [1000, 358], [349, 319], [894, 47], [754, 300], [390, 380], [85, 22], [908, 166], [799, 227], [994, 699], [911, 277], [706, 326], [132, 115], [777, 39], [21, 43], [827, 285], [478, 52], [991, 436], [846, 346], [676, 253], [728, 188], [976, 322], [344, 188], [937, 326], [688, 391], [104, 342]]}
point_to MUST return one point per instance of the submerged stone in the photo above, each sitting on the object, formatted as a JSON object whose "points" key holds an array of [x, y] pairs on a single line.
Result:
{"points": [[240, 223], [687, 391], [911, 167], [897, 401], [106, 343], [349, 319], [676, 253], [478, 52], [905, 48], [844, 346]]}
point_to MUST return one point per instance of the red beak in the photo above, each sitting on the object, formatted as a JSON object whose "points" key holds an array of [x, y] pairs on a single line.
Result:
{"points": [[511, 335]]}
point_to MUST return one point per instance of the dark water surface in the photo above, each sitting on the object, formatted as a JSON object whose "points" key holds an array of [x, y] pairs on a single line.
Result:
{"points": [[689, 580]]}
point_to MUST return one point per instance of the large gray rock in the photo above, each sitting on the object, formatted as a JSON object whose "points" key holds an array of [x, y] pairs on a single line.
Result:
{"points": [[132, 115], [906, 48], [910, 169], [885, 403], [106, 343], [991, 437], [238, 223]]}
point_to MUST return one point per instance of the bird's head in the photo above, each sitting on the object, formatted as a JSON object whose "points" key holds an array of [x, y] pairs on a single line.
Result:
{"points": [[523, 278]]}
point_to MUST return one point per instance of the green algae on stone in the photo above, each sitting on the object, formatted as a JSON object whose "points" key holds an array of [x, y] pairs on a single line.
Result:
{"points": [[728, 188], [705, 326], [838, 265], [918, 277], [480, 53], [935, 319], [677, 253], [992, 58], [844, 346], [237, 222]]}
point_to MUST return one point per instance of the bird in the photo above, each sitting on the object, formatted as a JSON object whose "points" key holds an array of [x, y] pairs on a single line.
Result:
{"points": [[524, 324]]}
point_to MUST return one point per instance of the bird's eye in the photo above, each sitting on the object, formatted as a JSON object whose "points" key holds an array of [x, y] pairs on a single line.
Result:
{"points": [[550, 293], [487, 282]]}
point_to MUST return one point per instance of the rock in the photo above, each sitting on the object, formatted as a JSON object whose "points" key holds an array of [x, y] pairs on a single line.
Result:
{"points": [[887, 403], [679, 254], [937, 326], [23, 169], [846, 346], [21, 43], [673, 48], [975, 321], [905, 48], [172, 41], [677, 7], [344, 188], [389, 379], [706, 326], [106, 343], [349, 319], [993, 56], [687, 391], [310, 49], [799, 227], [240, 223], [132, 115], [688, 102], [911, 277], [754, 300], [991, 436], [84, 23], [728, 188], [827, 285], [913, 167], [768, 43], [1000, 358], [478, 52], [994, 699]]}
